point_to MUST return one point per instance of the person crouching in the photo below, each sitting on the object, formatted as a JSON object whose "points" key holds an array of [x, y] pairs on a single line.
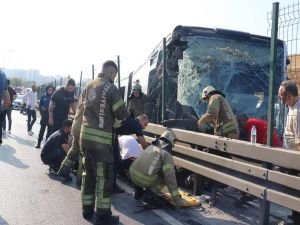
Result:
{"points": [[57, 146]]}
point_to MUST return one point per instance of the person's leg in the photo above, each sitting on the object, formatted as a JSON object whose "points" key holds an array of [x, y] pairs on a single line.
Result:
{"points": [[43, 123], [33, 114], [28, 119], [49, 131], [41, 134], [1, 119], [104, 186], [123, 167], [88, 186], [9, 111], [4, 119]]}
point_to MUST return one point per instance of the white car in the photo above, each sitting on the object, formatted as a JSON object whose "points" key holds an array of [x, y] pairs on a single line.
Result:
{"points": [[17, 103]]}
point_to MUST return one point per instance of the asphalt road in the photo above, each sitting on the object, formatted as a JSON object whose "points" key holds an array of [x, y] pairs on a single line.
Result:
{"points": [[30, 196]]}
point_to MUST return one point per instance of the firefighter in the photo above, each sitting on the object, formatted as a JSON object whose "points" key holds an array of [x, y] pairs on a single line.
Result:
{"points": [[219, 114], [155, 168], [73, 153], [102, 108], [137, 101]]}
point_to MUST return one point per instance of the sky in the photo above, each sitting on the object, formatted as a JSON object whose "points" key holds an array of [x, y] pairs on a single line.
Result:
{"points": [[67, 36]]}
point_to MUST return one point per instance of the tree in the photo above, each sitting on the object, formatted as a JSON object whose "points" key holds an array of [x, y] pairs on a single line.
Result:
{"points": [[17, 81]]}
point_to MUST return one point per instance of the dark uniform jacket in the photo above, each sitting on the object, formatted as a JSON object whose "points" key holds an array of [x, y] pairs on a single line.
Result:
{"points": [[103, 107]]}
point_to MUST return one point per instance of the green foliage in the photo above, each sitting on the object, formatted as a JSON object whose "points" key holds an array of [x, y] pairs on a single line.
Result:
{"points": [[17, 81]]}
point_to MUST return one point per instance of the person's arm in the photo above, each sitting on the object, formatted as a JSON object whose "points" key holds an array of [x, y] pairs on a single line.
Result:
{"points": [[212, 111], [65, 147], [118, 106], [169, 176], [142, 141], [51, 108], [73, 106]]}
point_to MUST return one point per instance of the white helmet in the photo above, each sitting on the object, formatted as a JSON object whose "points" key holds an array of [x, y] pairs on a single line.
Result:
{"points": [[206, 91]]}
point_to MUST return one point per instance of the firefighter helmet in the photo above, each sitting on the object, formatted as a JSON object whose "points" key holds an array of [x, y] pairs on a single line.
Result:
{"points": [[168, 136], [206, 91]]}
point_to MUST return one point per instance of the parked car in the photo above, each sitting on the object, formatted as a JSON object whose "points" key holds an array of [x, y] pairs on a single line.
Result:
{"points": [[17, 103]]}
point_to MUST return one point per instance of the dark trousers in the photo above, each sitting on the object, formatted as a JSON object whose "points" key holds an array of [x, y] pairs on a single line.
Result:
{"points": [[116, 155], [44, 124], [31, 118], [7, 113], [54, 158], [124, 166], [2, 118]]}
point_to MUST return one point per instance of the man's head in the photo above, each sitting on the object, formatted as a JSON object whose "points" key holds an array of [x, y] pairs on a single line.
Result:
{"points": [[70, 86], [66, 126], [136, 90], [143, 120], [110, 70], [49, 89], [206, 93], [288, 92], [33, 87]]}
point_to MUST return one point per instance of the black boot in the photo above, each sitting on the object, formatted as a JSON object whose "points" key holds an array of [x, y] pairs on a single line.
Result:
{"points": [[138, 192], [38, 145], [87, 212], [106, 220]]}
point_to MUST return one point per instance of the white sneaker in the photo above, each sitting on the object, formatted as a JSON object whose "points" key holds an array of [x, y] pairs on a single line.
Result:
{"points": [[30, 133], [9, 132]]}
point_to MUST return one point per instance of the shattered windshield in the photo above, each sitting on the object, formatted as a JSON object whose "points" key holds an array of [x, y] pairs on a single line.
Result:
{"points": [[240, 69]]}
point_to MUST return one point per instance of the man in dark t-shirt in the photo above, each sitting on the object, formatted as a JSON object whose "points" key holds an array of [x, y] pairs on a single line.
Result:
{"points": [[135, 126], [57, 146], [60, 104]]}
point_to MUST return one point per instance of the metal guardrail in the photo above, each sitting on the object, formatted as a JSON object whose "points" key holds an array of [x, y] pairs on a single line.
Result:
{"points": [[238, 171]]}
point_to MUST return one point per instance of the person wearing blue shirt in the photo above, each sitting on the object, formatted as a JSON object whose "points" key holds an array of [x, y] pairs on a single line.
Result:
{"points": [[43, 107]]}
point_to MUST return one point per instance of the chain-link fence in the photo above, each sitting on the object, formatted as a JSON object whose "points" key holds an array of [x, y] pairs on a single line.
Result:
{"points": [[289, 31]]}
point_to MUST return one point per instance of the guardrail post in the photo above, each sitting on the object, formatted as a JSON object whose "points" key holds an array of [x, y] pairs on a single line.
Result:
{"points": [[119, 75], [93, 72], [163, 82], [80, 82], [265, 205]]}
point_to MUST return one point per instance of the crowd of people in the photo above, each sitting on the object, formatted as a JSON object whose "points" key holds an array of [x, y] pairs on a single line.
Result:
{"points": [[99, 137]]}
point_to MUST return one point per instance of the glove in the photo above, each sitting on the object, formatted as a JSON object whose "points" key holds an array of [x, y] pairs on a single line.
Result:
{"points": [[180, 202], [117, 123]]}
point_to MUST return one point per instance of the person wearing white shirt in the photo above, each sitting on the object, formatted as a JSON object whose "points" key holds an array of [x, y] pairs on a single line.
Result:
{"points": [[30, 100], [288, 95], [130, 150]]}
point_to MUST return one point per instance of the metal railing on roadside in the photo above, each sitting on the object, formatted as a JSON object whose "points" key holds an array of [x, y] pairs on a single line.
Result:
{"points": [[244, 168]]}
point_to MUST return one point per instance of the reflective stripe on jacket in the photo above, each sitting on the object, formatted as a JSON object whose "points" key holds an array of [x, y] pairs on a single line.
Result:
{"points": [[153, 168]]}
